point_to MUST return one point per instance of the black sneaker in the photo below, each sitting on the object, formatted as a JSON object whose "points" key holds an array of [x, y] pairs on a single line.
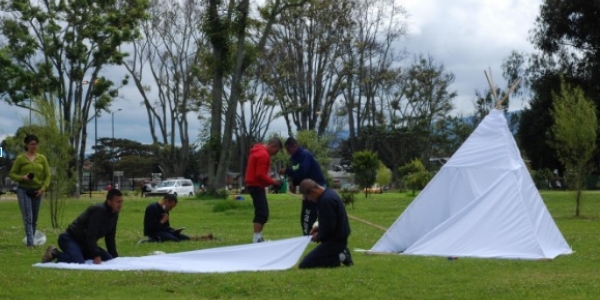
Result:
{"points": [[346, 258], [49, 254]]}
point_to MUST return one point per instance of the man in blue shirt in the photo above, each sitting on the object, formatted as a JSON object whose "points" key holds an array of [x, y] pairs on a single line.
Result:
{"points": [[303, 166]]}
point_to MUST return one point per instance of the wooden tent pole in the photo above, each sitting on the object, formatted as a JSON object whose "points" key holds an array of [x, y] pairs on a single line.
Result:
{"points": [[512, 88], [490, 81]]}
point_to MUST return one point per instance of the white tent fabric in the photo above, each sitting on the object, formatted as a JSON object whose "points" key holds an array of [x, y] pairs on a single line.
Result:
{"points": [[267, 256], [482, 203]]}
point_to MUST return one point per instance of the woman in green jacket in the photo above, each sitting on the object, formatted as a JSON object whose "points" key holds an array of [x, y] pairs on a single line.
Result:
{"points": [[31, 171]]}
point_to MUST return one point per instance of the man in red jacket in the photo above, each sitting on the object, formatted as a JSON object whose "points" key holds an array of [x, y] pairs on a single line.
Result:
{"points": [[257, 179]]}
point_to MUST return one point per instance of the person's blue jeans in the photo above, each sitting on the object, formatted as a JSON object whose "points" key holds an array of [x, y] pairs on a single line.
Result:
{"points": [[30, 208], [72, 252], [165, 236]]}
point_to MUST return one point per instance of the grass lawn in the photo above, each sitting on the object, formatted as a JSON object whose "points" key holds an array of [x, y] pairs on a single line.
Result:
{"points": [[372, 277]]}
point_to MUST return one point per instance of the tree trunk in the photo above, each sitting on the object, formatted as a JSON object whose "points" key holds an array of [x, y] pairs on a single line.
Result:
{"points": [[214, 148], [578, 187], [577, 202], [236, 89]]}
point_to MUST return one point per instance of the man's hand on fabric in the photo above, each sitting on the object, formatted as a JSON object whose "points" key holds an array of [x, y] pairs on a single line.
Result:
{"points": [[314, 232], [164, 219], [97, 260], [314, 235]]}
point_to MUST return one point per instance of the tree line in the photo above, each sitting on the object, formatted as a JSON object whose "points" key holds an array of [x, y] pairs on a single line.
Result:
{"points": [[235, 66]]}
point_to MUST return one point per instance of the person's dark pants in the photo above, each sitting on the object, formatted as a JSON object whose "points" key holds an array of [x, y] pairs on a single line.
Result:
{"points": [[166, 236], [308, 215], [72, 252], [261, 207], [325, 255]]}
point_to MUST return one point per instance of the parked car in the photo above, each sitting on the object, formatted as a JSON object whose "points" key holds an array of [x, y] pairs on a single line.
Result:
{"points": [[149, 187], [176, 186]]}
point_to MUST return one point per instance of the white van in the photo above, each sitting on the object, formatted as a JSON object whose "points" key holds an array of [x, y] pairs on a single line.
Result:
{"points": [[177, 186]]}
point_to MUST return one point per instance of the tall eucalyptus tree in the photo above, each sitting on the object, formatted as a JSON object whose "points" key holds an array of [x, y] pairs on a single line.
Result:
{"points": [[166, 66], [236, 40]]}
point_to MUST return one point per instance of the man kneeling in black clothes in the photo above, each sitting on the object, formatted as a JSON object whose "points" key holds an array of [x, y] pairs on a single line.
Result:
{"points": [[333, 229], [156, 221], [80, 241]]}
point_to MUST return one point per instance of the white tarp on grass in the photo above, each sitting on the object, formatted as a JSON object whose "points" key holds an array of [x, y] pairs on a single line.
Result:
{"points": [[267, 256], [482, 203]]}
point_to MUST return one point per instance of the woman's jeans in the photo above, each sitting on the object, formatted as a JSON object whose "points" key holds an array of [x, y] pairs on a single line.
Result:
{"points": [[30, 208]]}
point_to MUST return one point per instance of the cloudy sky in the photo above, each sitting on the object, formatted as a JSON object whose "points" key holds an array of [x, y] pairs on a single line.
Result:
{"points": [[467, 36]]}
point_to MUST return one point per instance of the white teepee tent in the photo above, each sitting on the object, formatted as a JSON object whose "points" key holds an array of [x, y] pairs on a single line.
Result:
{"points": [[482, 203]]}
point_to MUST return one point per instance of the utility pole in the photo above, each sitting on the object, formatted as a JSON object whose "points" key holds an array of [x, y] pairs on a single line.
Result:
{"points": [[112, 149], [92, 165]]}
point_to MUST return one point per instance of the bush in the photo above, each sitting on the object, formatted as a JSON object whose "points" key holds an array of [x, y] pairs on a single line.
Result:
{"points": [[222, 194], [365, 165], [541, 178], [415, 176], [219, 194], [347, 196]]}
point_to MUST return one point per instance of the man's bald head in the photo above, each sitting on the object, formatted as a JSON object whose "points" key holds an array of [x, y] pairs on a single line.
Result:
{"points": [[310, 189]]}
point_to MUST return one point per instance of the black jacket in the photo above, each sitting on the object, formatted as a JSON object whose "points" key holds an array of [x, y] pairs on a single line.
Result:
{"points": [[305, 166], [152, 217], [97, 221], [333, 220]]}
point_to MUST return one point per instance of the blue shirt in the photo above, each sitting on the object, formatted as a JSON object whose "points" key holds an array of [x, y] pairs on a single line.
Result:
{"points": [[305, 166]]}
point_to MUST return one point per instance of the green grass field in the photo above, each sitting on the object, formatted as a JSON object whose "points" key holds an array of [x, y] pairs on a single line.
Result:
{"points": [[372, 277]]}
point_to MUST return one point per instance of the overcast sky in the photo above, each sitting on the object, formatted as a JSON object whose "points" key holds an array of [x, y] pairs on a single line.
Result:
{"points": [[467, 36]]}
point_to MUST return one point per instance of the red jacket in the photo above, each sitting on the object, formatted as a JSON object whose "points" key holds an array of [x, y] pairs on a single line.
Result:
{"points": [[259, 166]]}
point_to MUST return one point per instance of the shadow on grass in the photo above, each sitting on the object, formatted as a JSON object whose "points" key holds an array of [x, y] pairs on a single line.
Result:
{"points": [[574, 218]]}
